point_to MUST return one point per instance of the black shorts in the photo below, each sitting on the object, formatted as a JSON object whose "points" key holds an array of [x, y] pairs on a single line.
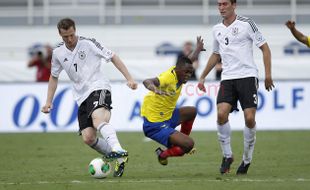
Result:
{"points": [[97, 99], [244, 90]]}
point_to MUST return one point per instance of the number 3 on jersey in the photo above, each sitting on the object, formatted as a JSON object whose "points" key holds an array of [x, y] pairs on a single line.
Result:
{"points": [[75, 66], [226, 41]]}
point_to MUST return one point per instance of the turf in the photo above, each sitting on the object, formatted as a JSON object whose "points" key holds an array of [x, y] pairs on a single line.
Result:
{"points": [[59, 161]]}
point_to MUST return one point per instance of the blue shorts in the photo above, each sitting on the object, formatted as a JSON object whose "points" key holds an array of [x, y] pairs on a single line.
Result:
{"points": [[161, 131]]}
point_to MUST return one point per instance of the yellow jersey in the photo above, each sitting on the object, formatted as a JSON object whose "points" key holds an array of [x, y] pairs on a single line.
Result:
{"points": [[158, 108], [308, 41]]}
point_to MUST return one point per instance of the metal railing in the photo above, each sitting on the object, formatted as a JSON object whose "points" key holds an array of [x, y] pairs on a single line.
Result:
{"points": [[117, 10]]}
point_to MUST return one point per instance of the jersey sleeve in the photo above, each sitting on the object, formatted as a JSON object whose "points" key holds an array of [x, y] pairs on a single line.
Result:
{"points": [[101, 50], [56, 66], [216, 45], [165, 78], [308, 41], [255, 34]]}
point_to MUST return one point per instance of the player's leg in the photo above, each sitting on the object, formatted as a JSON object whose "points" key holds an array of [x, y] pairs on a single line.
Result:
{"points": [[249, 134], [224, 134], [97, 143], [89, 133], [165, 134], [226, 102], [100, 107], [248, 101], [101, 115], [187, 118], [223, 128], [249, 139], [179, 143]]}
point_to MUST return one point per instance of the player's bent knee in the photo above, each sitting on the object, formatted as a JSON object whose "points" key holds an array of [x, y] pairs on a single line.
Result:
{"points": [[89, 140], [222, 118], [189, 145], [250, 122]]}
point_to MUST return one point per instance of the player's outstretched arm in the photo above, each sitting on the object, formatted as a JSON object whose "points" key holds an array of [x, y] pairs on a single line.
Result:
{"points": [[267, 63], [52, 86], [118, 63], [213, 60], [153, 84], [297, 34], [199, 47]]}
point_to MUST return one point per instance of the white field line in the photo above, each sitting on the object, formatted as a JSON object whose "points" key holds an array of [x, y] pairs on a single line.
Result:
{"points": [[155, 181]]}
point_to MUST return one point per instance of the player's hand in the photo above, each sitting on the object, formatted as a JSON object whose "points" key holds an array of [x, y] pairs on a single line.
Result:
{"points": [[132, 84], [201, 85], [269, 84], [290, 24], [200, 44], [47, 108]]}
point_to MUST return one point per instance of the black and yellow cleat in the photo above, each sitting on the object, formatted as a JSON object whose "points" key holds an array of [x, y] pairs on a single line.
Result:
{"points": [[193, 151], [120, 167], [162, 161], [116, 154]]}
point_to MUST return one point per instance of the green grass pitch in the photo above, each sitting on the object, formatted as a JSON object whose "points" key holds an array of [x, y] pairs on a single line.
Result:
{"points": [[59, 161]]}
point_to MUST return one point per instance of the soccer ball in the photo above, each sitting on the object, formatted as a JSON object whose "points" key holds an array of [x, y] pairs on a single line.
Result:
{"points": [[98, 168]]}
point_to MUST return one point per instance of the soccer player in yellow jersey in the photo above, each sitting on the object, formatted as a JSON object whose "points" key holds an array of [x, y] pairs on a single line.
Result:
{"points": [[297, 34], [159, 111]]}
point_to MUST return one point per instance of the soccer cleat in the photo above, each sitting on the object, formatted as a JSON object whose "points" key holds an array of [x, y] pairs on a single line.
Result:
{"points": [[243, 168], [116, 154], [120, 167], [192, 151], [225, 166], [162, 161]]}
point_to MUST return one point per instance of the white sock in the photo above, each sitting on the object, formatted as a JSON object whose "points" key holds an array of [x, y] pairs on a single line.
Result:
{"points": [[223, 133], [101, 146], [249, 142], [109, 135]]}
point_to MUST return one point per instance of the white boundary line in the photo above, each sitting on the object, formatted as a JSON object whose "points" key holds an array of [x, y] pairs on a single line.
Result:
{"points": [[155, 181]]}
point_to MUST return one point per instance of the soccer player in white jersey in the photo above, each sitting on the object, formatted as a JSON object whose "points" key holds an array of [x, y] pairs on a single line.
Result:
{"points": [[297, 34], [233, 45], [82, 58]]}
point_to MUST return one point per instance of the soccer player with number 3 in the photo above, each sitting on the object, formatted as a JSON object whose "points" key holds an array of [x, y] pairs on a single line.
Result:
{"points": [[233, 46]]}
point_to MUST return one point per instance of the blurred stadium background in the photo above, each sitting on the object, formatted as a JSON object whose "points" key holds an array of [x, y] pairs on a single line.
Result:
{"points": [[147, 35]]}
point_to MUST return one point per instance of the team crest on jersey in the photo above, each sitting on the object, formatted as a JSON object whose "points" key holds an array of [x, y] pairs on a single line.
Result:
{"points": [[82, 55], [235, 31]]}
